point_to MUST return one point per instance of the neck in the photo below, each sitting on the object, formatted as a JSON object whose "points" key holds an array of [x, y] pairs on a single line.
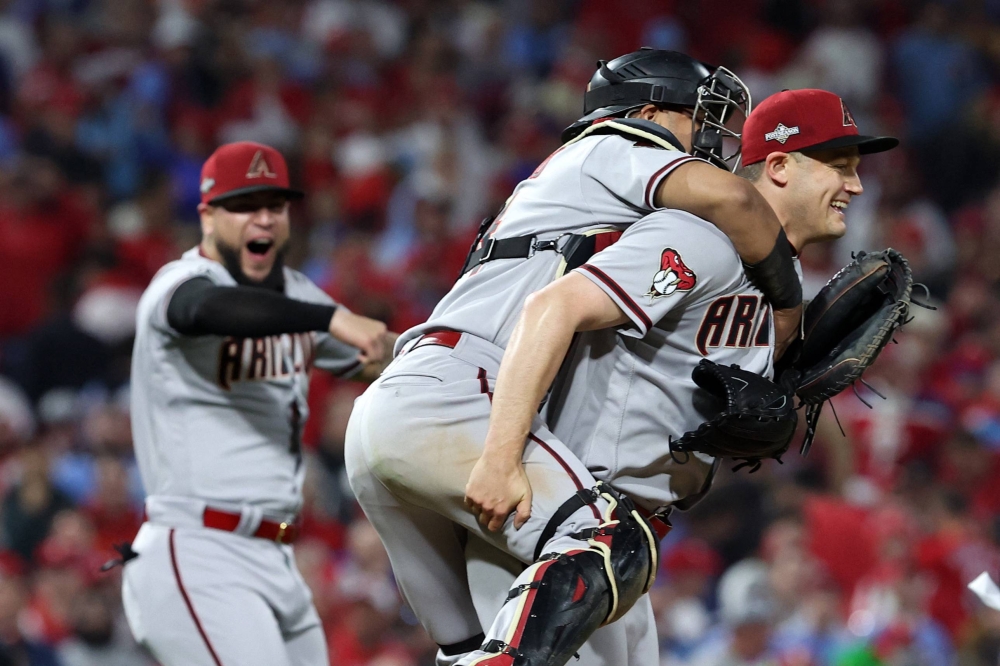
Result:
{"points": [[792, 232], [208, 250]]}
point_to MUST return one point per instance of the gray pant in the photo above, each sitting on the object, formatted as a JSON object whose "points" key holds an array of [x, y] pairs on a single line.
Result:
{"points": [[202, 597], [412, 441]]}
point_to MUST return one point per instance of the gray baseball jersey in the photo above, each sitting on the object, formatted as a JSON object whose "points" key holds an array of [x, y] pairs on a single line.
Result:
{"points": [[604, 182], [218, 418], [624, 394]]}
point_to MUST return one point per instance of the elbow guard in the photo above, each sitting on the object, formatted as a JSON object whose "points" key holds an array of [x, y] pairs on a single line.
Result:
{"points": [[775, 275]]}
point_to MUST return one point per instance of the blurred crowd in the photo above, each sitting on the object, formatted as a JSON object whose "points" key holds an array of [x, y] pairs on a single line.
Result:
{"points": [[406, 121]]}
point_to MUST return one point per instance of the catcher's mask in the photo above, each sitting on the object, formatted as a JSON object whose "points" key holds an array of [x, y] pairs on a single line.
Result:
{"points": [[670, 79]]}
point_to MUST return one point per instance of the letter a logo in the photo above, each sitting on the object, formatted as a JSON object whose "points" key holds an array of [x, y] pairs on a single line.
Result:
{"points": [[848, 118], [259, 167]]}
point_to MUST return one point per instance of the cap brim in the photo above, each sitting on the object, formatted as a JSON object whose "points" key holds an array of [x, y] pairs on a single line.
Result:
{"points": [[866, 144], [287, 191]]}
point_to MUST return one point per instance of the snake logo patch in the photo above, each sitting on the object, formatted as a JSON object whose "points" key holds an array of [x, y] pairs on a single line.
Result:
{"points": [[673, 275]]}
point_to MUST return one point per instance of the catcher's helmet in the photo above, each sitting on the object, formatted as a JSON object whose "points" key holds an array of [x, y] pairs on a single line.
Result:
{"points": [[667, 78]]}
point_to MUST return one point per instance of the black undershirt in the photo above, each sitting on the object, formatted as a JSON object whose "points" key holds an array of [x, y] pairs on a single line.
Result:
{"points": [[200, 307]]}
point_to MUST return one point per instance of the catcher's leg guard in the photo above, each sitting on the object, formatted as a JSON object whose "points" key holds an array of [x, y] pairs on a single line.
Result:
{"points": [[564, 597]]}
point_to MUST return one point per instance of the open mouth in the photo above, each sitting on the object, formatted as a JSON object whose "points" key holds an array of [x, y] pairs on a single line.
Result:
{"points": [[839, 206], [260, 246]]}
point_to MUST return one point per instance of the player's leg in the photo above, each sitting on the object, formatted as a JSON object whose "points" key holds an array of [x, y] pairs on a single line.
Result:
{"points": [[561, 600], [420, 434], [187, 601], [291, 600], [425, 549], [307, 648], [630, 641]]}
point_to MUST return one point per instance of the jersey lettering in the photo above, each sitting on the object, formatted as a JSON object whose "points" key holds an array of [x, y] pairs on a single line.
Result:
{"points": [[261, 359], [714, 324], [749, 314], [763, 338], [743, 321]]}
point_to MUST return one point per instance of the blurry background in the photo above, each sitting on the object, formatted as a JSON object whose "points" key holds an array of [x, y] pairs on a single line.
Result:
{"points": [[406, 121]]}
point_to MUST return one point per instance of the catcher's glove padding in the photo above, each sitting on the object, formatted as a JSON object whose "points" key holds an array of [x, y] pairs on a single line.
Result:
{"points": [[846, 326], [756, 417]]}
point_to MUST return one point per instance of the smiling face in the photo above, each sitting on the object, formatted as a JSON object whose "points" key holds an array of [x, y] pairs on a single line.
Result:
{"points": [[820, 185], [250, 231]]}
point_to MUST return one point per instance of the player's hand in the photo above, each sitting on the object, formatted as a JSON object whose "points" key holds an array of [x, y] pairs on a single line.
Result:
{"points": [[787, 324], [368, 335], [494, 491]]}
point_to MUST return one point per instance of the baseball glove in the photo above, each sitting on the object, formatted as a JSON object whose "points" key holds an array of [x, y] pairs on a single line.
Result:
{"points": [[845, 327], [756, 417]]}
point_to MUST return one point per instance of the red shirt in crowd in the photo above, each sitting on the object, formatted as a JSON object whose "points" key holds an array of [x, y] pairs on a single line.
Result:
{"points": [[36, 244]]}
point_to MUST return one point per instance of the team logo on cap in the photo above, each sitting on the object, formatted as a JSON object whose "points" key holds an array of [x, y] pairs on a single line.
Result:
{"points": [[781, 133], [207, 184], [259, 167], [673, 276], [848, 118]]}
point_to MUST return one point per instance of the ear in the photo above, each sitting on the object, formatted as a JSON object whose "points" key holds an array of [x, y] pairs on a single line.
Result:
{"points": [[647, 112], [776, 168]]}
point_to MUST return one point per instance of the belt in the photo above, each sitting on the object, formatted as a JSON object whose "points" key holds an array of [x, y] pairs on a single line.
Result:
{"points": [[277, 532], [441, 338], [660, 522]]}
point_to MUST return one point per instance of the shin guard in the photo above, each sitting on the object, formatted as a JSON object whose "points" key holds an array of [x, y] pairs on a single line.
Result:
{"points": [[570, 594]]}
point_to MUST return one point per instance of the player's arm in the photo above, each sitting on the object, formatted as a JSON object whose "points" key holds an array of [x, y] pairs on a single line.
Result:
{"points": [[371, 370], [735, 206], [201, 307], [537, 347]]}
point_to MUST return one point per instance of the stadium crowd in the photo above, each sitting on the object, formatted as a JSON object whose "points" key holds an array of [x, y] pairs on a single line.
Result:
{"points": [[406, 121]]}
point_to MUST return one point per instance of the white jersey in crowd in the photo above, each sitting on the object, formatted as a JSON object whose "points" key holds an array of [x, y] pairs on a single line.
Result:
{"points": [[217, 419], [624, 394], [599, 182]]}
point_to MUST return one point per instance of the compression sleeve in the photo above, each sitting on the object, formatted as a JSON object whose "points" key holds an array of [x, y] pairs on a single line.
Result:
{"points": [[200, 307]]}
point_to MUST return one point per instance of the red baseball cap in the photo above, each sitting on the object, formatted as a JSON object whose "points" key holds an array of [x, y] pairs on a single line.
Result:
{"points": [[243, 168], [809, 119]]}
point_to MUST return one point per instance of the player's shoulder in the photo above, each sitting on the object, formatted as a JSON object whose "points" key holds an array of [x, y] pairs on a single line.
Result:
{"points": [[300, 287], [192, 263], [690, 241], [689, 229], [635, 132], [626, 143]]}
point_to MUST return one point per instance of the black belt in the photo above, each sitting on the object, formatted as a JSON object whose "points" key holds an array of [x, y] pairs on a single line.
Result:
{"points": [[519, 247], [575, 248]]}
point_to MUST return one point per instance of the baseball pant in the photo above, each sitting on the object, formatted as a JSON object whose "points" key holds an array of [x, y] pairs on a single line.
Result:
{"points": [[629, 641], [203, 597], [412, 441]]}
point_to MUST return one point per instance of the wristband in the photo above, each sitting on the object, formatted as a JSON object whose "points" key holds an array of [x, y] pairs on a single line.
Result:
{"points": [[775, 275]]}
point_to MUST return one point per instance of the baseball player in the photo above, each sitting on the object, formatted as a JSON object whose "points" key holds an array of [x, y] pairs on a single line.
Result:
{"points": [[668, 294], [415, 435], [225, 341]]}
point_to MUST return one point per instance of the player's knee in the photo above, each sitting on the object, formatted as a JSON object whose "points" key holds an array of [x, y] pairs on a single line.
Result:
{"points": [[627, 545]]}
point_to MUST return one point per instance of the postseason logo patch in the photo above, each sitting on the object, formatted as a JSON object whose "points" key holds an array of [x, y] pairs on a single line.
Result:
{"points": [[673, 276], [781, 133]]}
